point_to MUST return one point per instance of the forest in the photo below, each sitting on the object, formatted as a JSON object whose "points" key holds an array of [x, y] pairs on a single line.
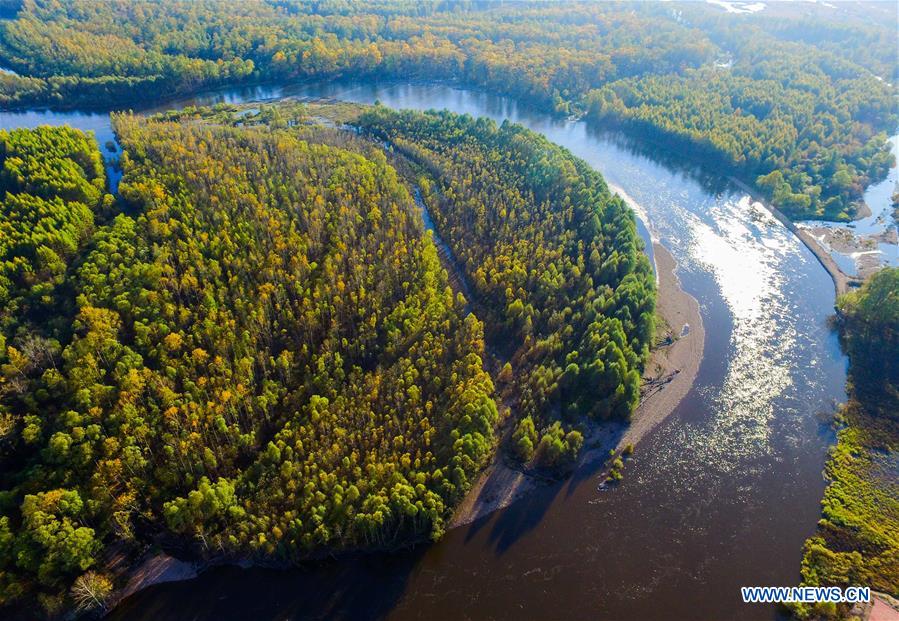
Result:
{"points": [[554, 260], [258, 355], [800, 106], [254, 352], [858, 536]]}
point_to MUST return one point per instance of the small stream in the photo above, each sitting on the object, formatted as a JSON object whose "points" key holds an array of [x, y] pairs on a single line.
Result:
{"points": [[454, 271]]}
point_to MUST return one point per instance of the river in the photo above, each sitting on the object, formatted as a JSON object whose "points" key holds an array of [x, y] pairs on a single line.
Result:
{"points": [[721, 495]]}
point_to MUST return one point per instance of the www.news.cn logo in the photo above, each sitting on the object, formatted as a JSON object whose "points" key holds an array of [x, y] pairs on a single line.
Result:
{"points": [[805, 595]]}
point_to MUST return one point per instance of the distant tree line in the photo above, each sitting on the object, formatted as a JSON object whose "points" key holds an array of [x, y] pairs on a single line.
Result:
{"points": [[797, 105]]}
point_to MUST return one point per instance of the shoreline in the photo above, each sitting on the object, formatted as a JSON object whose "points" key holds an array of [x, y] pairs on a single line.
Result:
{"points": [[677, 363], [841, 281], [668, 377]]}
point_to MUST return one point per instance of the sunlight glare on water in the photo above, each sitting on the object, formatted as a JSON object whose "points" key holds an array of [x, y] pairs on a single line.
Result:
{"points": [[746, 257]]}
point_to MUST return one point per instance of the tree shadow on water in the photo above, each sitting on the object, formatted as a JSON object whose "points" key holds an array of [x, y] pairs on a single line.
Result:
{"points": [[359, 587], [508, 525], [705, 171], [521, 517]]}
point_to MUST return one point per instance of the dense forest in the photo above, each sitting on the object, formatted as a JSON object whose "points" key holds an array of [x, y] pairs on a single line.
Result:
{"points": [[254, 351], [857, 542], [554, 260], [54, 187], [262, 355], [793, 102]]}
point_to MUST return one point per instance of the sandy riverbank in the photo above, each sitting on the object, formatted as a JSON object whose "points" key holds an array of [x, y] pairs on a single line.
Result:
{"points": [[153, 568], [670, 372], [863, 250]]}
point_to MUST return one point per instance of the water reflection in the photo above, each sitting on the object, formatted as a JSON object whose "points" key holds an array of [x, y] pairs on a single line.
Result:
{"points": [[707, 176]]}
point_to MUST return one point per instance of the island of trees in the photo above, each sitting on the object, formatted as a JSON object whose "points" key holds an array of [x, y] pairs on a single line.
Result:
{"points": [[254, 351], [795, 103]]}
